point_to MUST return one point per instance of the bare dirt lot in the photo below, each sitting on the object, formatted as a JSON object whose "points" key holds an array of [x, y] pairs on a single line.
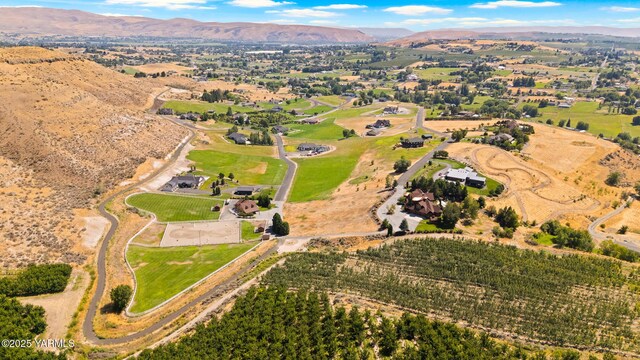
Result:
{"points": [[201, 233], [59, 308]]}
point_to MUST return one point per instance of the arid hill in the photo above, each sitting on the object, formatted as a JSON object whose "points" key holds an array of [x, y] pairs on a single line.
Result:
{"points": [[43, 21], [71, 129]]}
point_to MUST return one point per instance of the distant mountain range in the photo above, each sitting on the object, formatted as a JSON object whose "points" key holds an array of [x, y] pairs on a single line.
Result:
{"points": [[46, 22], [518, 33], [30, 21]]}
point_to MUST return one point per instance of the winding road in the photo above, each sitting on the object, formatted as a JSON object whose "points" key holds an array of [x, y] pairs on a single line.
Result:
{"points": [[618, 239], [87, 325]]}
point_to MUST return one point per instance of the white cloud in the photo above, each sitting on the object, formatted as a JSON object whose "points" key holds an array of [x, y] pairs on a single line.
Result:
{"points": [[514, 4], [168, 4], [322, 22], [477, 22], [258, 3], [340, 7], [410, 10], [620, 9], [282, 21], [302, 13], [627, 21]]}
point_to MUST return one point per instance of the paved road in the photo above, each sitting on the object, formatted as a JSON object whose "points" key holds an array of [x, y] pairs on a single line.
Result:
{"points": [[283, 190], [420, 118], [616, 238], [87, 325], [396, 218]]}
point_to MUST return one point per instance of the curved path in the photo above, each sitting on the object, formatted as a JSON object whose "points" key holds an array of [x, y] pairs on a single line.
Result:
{"points": [[87, 325], [618, 239]]}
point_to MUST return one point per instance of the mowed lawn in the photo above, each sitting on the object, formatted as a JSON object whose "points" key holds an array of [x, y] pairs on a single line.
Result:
{"points": [[443, 74], [317, 177], [333, 100], [163, 272], [176, 208], [183, 106], [248, 231], [324, 130], [600, 122], [247, 169]]}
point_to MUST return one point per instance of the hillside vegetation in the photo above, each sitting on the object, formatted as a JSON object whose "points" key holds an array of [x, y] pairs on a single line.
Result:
{"points": [[73, 130], [568, 301]]}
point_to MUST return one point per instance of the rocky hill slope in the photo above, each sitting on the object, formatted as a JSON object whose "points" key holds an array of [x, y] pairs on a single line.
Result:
{"points": [[44, 21], [71, 129]]}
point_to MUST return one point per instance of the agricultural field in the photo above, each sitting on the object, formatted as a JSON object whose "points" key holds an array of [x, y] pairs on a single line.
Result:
{"points": [[247, 169], [161, 273], [484, 285], [168, 208]]}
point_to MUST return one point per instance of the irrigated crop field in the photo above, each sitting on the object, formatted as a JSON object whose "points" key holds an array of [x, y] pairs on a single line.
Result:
{"points": [[247, 169], [528, 295]]}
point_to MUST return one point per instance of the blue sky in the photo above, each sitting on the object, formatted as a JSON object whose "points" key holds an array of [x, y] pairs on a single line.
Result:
{"points": [[414, 15]]}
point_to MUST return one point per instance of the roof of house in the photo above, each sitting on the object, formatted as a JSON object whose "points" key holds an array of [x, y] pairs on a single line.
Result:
{"points": [[245, 188], [246, 206], [414, 140], [236, 136]]}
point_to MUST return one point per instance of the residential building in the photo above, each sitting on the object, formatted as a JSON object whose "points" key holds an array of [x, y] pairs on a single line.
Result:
{"points": [[413, 142], [246, 207], [422, 204], [183, 182], [379, 124], [238, 138]]}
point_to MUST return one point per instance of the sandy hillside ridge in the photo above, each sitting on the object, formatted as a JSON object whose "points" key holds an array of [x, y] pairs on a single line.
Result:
{"points": [[71, 129]]}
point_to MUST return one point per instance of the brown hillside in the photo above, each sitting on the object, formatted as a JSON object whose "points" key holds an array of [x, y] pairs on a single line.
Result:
{"points": [[70, 129], [44, 21]]}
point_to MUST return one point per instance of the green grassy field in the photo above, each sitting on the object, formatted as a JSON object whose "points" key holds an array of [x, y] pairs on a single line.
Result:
{"points": [[317, 110], [316, 178], [600, 122], [296, 104], [181, 106], [247, 169], [443, 74], [247, 231], [544, 239], [325, 130], [176, 208], [477, 103], [163, 272], [333, 100]]}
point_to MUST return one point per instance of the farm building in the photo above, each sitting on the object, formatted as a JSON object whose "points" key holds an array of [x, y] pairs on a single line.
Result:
{"points": [[413, 142], [423, 204], [246, 208], [183, 182], [244, 190], [238, 138]]}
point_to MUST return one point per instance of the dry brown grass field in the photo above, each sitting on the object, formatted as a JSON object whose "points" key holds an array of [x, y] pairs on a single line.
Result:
{"points": [[557, 175]]}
